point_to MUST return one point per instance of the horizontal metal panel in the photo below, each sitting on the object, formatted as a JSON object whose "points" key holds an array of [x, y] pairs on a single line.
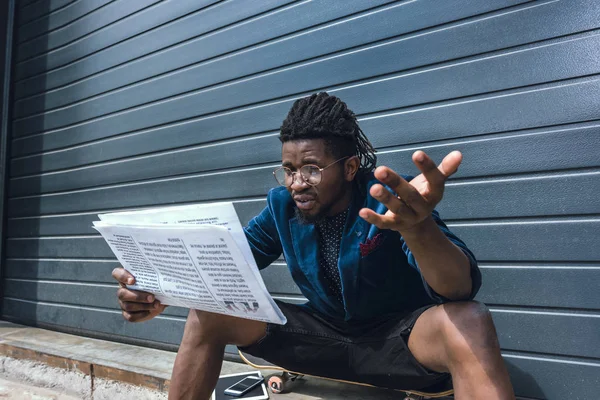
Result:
{"points": [[56, 281], [569, 102], [279, 282], [81, 224], [28, 280], [568, 286], [550, 195], [427, 86], [162, 330], [210, 157], [147, 14], [187, 133], [561, 148], [74, 294], [22, 3], [46, 33], [572, 334], [68, 293], [395, 20], [561, 287], [493, 198], [536, 242], [449, 43], [459, 80], [558, 286], [546, 105], [71, 270], [82, 247], [110, 14], [564, 287], [540, 242], [277, 277], [248, 183], [558, 148], [137, 59], [553, 378], [38, 9]]}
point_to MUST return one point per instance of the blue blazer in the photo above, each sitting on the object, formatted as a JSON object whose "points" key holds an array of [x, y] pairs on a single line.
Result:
{"points": [[378, 272]]}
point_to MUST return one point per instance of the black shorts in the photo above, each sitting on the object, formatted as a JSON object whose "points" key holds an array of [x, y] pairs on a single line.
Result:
{"points": [[375, 352]]}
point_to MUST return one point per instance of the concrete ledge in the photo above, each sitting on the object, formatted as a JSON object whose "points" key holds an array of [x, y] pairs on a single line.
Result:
{"points": [[87, 368], [119, 362], [51, 360], [94, 371]]}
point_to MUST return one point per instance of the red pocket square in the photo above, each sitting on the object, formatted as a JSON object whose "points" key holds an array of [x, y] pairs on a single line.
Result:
{"points": [[370, 244]]}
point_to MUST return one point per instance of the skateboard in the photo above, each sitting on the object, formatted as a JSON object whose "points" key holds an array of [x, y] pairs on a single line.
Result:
{"points": [[281, 383]]}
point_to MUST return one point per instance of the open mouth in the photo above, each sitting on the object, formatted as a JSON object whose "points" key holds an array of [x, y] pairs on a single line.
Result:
{"points": [[304, 202]]}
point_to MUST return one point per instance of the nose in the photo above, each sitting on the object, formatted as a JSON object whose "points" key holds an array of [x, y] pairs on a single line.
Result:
{"points": [[298, 184]]}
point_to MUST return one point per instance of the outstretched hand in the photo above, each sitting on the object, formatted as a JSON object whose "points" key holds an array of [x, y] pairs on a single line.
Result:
{"points": [[416, 199]]}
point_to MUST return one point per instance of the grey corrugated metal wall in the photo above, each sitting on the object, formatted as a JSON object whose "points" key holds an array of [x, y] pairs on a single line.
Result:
{"points": [[122, 104], [7, 11]]}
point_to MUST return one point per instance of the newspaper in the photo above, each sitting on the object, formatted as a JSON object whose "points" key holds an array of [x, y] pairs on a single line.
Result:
{"points": [[191, 256]]}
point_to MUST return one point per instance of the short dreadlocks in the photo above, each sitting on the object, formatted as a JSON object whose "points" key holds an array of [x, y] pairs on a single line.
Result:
{"points": [[322, 116]]}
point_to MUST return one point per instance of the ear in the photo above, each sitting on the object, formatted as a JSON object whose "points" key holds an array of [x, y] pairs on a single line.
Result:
{"points": [[351, 167]]}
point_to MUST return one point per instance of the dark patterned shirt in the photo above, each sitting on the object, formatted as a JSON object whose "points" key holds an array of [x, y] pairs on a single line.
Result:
{"points": [[331, 230]]}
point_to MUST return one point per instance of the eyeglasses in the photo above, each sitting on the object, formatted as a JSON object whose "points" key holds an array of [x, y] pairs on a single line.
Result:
{"points": [[311, 174]]}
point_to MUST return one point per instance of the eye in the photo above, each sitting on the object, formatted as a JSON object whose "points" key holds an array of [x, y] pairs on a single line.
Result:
{"points": [[311, 174]]}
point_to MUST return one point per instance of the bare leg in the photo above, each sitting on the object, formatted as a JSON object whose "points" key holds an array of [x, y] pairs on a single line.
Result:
{"points": [[460, 338], [200, 356]]}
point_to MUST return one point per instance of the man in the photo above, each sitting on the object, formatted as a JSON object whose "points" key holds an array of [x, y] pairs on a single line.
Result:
{"points": [[389, 287]]}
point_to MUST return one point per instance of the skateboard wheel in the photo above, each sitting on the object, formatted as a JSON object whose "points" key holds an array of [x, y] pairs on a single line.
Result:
{"points": [[276, 384]]}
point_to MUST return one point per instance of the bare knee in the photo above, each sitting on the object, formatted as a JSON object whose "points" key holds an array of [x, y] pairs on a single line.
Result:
{"points": [[468, 313], [468, 326], [204, 327]]}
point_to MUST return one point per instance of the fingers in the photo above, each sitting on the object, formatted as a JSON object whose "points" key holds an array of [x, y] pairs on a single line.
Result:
{"points": [[410, 203], [450, 164], [433, 175], [136, 307], [122, 276], [135, 296], [380, 221], [136, 316], [410, 198], [134, 301], [140, 316], [135, 312], [140, 311]]}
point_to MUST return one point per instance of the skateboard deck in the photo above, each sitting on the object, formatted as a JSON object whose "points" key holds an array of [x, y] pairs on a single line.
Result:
{"points": [[281, 383]]}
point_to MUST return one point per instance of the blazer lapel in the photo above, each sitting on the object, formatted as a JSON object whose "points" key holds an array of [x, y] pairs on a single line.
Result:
{"points": [[355, 232], [305, 241]]}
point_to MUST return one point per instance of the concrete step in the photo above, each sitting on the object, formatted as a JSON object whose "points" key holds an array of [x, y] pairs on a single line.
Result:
{"points": [[10, 390], [95, 369]]}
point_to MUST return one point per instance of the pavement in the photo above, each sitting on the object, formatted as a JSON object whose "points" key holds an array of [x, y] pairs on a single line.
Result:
{"points": [[18, 391], [42, 364]]}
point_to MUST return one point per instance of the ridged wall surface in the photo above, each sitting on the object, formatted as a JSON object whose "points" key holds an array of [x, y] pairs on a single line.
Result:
{"points": [[127, 104]]}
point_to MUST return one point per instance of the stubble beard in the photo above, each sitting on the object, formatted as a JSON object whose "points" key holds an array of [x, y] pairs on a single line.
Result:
{"points": [[305, 219]]}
